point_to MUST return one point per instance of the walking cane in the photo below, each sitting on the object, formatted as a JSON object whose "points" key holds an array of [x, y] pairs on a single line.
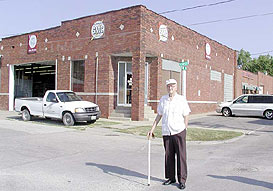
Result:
{"points": [[149, 158], [149, 161]]}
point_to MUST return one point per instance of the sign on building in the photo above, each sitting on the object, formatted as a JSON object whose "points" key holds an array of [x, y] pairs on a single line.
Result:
{"points": [[97, 30], [163, 33], [208, 51], [32, 44]]}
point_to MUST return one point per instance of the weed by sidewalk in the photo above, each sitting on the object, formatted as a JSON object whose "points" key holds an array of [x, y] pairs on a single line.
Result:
{"points": [[193, 134]]}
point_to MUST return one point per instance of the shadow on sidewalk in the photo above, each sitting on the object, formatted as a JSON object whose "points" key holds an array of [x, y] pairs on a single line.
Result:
{"points": [[119, 172], [245, 180]]}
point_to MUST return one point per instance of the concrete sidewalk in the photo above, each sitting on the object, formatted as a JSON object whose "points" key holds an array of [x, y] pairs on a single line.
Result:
{"points": [[128, 124]]}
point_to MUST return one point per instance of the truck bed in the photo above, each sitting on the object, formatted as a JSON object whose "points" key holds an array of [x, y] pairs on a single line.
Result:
{"points": [[31, 98]]}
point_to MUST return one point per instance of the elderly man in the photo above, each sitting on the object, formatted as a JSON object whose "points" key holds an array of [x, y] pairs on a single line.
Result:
{"points": [[174, 111]]}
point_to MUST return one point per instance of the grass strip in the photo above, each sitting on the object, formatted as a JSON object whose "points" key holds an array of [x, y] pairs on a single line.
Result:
{"points": [[193, 134]]}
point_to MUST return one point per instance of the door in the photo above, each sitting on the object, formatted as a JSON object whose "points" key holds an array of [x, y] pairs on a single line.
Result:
{"points": [[51, 106], [228, 87], [241, 106], [261, 89], [125, 82], [146, 83]]}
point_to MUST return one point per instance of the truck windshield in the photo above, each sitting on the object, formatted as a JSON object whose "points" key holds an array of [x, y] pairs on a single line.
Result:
{"points": [[68, 96]]}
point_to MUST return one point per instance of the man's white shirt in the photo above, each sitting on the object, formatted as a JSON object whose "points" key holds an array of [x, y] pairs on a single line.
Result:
{"points": [[173, 113]]}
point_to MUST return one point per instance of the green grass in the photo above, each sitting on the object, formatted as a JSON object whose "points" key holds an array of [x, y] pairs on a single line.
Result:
{"points": [[193, 134], [106, 123]]}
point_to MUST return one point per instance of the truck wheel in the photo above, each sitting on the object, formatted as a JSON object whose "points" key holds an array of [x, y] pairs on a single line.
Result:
{"points": [[26, 115], [268, 114], [226, 112], [68, 119]]}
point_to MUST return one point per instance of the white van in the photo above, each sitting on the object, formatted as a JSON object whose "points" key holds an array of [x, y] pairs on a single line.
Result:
{"points": [[248, 105]]}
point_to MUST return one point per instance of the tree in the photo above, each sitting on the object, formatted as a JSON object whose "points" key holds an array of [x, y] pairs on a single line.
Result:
{"points": [[261, 64], [243, 58]]}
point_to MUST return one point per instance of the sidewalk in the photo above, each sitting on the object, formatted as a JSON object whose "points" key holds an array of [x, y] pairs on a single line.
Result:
{"points": [[129, 124]]}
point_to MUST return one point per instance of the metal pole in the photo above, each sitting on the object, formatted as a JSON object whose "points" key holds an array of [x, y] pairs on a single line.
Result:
{"points": [[184, 83], [97, 69], [149, 162]]}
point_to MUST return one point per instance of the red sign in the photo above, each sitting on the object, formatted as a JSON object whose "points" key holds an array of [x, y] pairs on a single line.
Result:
{"points": [[32, 44]]}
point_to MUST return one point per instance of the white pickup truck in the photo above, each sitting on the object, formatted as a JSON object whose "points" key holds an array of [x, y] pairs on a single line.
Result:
{"points": [[58, 104]]}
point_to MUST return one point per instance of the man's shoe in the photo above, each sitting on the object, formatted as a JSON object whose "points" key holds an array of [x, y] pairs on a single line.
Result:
{"points": [[182, 186], [168, 182]]}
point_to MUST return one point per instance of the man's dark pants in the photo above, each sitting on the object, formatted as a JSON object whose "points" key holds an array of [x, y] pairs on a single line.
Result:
{"points": [[176, 144]]}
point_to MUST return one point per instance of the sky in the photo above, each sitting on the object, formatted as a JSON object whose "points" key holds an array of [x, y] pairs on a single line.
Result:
{"points": [[253, 34]]}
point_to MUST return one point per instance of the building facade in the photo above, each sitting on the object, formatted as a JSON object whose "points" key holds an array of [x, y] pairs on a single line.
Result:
{"points": [[119, 59], [250, 83]]}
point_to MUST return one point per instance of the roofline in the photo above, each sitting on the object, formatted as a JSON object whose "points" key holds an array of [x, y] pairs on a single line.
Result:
{"points": [[51, 28], [107, 12]]}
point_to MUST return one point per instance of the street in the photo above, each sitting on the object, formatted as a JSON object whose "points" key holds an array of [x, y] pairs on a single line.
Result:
{"points": [[46, 157]]}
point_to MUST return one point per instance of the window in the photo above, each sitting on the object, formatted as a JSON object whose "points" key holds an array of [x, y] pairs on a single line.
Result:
{"points": [[78, 76], [51, 97], [243, 99], [68, 96], [261, 99], [214, 75]]}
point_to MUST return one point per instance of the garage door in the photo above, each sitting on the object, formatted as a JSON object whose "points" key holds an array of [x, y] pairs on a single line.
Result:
{"points": [[228, 87], [33, 79]]}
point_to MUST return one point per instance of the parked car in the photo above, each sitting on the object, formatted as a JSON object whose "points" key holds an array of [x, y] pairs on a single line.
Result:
{"points": [[248, 105], [58, 104]]}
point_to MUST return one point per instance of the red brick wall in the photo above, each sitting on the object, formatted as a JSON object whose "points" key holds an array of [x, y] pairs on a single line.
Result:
{"points": [[266, 81], [257, 80], [202, 107], [244, 77], [4, 102]]}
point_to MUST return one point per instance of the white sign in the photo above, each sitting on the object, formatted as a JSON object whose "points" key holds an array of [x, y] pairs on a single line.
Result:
{"points": [[163, 33], [208, 51], [32, 44], [97, 30], [32, 41]]}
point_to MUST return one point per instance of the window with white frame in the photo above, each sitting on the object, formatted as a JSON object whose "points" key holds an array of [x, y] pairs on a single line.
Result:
{"points": [[77, 76], [216, 76]]}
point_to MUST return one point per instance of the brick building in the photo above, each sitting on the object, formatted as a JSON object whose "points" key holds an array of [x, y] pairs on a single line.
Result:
{"points": [[118, 59], [250, 83]]}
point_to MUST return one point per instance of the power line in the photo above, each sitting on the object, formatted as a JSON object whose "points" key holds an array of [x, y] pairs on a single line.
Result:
{"points": [[196, 7], [266, 52], [231, 19]]}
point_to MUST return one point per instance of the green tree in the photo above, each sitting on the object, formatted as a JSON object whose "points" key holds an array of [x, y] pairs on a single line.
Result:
{"points": [[244, 57], [261, 64]]}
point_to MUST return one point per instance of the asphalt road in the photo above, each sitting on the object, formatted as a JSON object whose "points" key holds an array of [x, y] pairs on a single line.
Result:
{"points": [[48, 157]]}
